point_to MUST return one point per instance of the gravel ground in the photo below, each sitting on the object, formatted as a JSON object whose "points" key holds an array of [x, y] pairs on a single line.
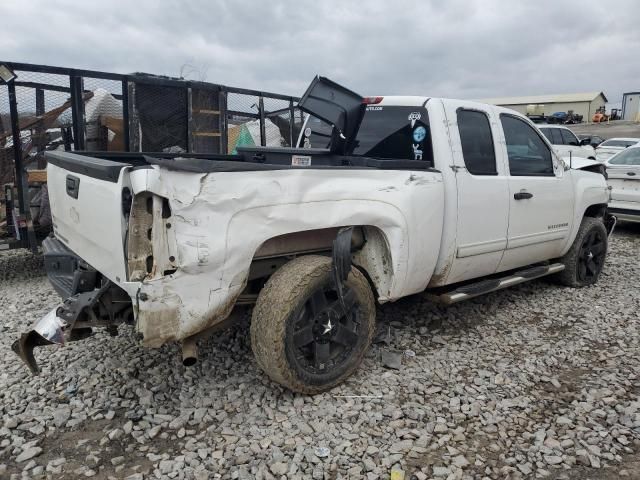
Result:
{"points": [[536, 381]]}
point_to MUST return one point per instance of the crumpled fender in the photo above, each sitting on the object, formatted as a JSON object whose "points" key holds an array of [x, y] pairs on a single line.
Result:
{"points": [[579, 163], [221, 219]]}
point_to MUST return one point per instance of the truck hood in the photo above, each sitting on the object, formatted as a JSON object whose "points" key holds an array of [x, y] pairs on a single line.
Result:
{"points": [[579, 163]]}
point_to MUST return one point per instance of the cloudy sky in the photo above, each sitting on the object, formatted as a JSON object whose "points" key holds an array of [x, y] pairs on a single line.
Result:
{"points": [[459, 49]]}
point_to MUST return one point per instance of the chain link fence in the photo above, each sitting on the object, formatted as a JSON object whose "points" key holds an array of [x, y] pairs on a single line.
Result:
{"points": [[69, 109], [61, 108]]}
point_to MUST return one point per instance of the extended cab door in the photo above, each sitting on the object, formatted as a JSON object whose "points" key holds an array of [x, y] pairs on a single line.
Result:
{"points": [[541, 196], [482, 190]]}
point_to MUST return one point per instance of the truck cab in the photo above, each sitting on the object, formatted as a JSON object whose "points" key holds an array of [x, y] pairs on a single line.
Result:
{"points": [[510, 200]]}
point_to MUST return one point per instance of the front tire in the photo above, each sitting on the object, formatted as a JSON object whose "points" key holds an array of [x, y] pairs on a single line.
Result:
{"points": [[301, 335], [585, 259]]}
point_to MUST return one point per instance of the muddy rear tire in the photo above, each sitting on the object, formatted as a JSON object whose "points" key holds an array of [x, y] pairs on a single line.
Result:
{"points": [[585, 259], [301, 334]]}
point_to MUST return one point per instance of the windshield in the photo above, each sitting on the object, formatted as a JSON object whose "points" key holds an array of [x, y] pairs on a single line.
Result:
{"points": [[392, 132], [619, 143], [627, 157]]}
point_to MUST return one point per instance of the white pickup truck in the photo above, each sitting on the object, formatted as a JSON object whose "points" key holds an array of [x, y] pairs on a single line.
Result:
{"points": [[400, 195]]}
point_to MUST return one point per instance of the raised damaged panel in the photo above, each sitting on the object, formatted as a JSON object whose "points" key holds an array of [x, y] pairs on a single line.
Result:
{"points": [[223, 221]]}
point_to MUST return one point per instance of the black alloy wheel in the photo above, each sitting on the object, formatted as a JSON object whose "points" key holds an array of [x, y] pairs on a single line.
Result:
{"points": [[325, 330], [592, 254]]}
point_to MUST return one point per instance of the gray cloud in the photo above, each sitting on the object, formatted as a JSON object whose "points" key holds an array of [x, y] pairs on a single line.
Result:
{"points": [[458, 48]]}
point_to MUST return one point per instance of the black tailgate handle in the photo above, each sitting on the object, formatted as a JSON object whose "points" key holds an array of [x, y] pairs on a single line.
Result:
{"points": [[73, 186]]}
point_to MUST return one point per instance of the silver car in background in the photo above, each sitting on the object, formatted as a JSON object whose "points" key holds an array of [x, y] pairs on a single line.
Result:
{"points": [[623, 170], [609, 148]]}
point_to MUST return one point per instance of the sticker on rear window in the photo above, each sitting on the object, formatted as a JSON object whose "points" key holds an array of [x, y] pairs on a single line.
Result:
{"points": [[300, 160], [419, 134], [414, 117]]}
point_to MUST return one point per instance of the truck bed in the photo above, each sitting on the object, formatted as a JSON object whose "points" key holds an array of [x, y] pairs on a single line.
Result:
{"points": [[107, 165]]}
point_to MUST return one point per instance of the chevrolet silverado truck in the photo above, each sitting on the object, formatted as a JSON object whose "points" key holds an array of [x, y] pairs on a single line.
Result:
{"points": [[384, 197]]}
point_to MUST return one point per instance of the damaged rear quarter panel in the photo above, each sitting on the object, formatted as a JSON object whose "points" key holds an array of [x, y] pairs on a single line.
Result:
{"points": [[221, 219]]}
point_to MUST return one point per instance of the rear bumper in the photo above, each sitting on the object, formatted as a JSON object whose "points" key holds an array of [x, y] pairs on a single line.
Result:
{"points": [[83, 290]]}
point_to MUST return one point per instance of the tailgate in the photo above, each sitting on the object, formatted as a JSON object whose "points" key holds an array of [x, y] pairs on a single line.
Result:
{"points": [[624, 182], [87, 198]]}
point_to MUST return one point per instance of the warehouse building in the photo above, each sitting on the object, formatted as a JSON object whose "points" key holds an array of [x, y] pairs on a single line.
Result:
{"points": [[585, 104], [631, 106]]}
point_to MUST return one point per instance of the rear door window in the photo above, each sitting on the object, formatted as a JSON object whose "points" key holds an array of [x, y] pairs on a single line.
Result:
{"points": [[556, 136], [568, 137], [553, 135], [528, 153], [391, 132], [547, 133], [477, 142]]}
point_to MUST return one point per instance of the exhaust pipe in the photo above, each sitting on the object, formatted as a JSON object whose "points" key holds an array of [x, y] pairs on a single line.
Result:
{"points": [[189, 351]]}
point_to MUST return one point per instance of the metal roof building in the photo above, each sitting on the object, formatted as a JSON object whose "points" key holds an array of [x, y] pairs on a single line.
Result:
{"points": [[631, 106], [585, 104]]}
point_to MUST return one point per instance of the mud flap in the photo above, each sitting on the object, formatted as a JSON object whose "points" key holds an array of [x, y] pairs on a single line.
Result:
{"points": [[341, 255]]}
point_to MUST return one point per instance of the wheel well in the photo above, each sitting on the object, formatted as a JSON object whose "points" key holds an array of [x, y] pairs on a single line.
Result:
{"points": [[371, 254], [596, 211], [374, 259]]}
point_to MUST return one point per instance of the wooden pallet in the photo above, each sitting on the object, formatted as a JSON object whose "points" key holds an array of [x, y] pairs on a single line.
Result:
{"points": [[36, 176]]}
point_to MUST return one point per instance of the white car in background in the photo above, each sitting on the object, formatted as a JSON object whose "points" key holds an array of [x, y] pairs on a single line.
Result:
{"points": [[565, 142], [609, 148], [624, 180]]}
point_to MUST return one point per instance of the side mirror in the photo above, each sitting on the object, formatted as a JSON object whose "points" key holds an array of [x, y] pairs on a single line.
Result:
{"points": [[585, 141]]}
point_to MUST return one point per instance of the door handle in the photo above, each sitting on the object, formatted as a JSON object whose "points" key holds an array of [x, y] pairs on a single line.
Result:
{"points": [[631, 174], [73, 185], [522, 195]]}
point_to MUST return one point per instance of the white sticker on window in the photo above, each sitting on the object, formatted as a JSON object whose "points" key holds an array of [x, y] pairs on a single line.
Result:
{"points": [[414, 117], [417, 152], [300, 160]]}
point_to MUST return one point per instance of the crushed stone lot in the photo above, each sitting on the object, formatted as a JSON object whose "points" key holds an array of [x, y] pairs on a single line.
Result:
{"points": [[536, 381]]}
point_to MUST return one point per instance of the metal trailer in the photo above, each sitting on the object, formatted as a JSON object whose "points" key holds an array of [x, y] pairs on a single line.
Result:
{"points": [[44, 108]]}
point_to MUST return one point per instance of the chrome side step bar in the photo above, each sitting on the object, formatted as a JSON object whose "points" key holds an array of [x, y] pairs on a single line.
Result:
{"points": [[482, 287]]}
